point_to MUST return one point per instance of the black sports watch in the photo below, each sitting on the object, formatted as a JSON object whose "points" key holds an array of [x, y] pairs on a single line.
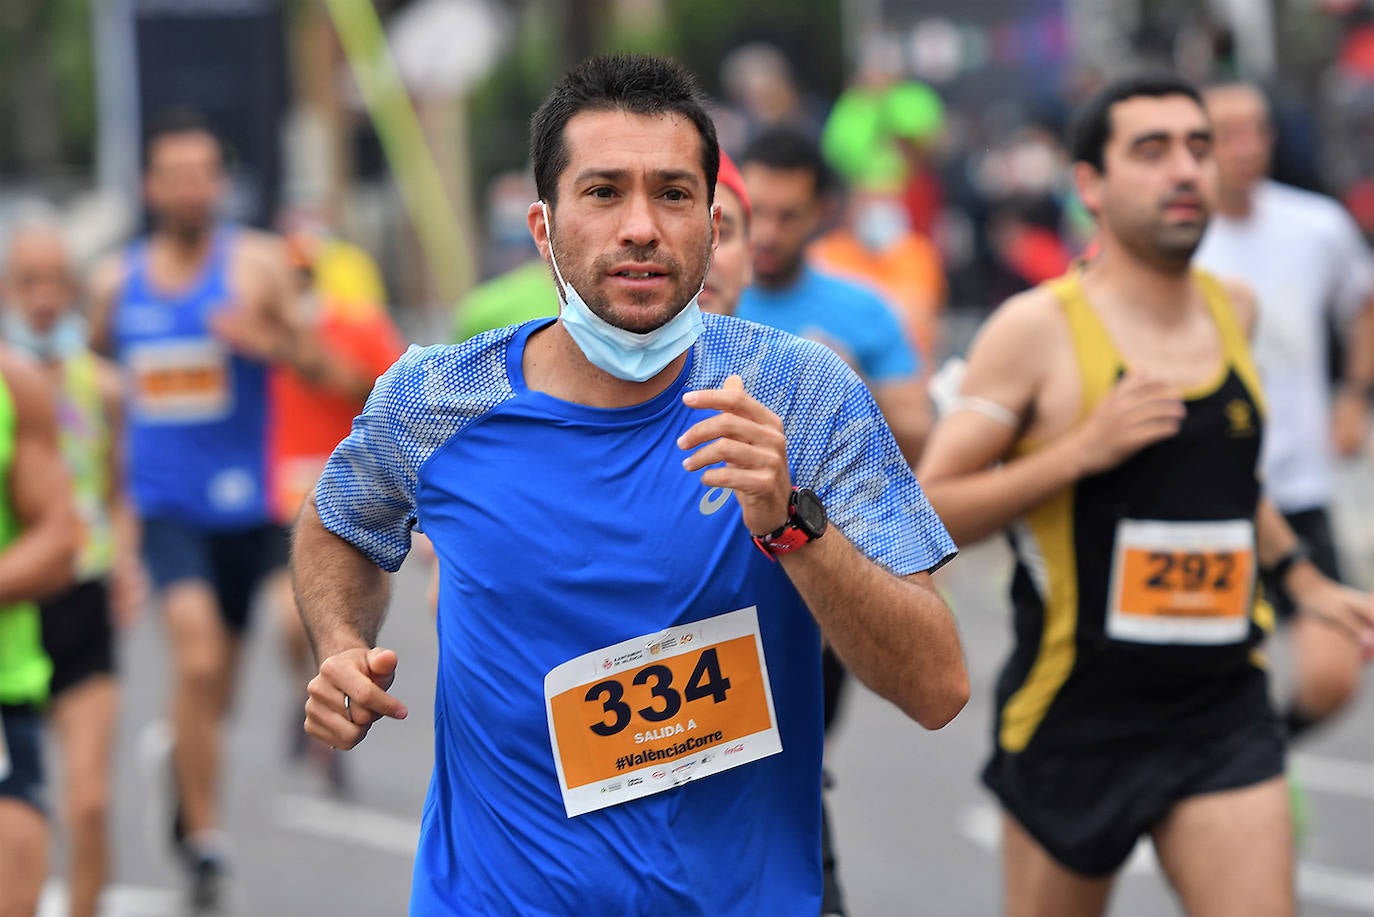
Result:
{"points": [[806, 521]]}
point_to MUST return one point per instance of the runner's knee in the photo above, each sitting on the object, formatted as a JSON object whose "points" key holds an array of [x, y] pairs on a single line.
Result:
{"points": [[88, 804]]}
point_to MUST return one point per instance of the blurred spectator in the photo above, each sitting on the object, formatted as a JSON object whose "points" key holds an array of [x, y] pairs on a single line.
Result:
{"points": [[787, 180], [762, 92], [876, 245], [732, 265], [884, 130], [1024, 235], [516, 296], [41, 318], [523, 287], [1309, 268], [342, 300]]}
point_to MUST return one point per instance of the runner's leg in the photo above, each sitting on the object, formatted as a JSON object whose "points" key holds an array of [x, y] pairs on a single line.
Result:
{"points": [[1230, 854], [202, 655], [84, 716], [296, 651], [23, 823], [1035, 885], [23, 857]]}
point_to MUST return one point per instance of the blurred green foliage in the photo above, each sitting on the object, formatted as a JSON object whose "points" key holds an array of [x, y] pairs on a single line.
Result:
{"points": [[47, 72]]}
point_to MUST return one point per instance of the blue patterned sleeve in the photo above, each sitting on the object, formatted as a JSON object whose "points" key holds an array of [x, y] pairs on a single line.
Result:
{"points": [[366, 494], [840, 446]]}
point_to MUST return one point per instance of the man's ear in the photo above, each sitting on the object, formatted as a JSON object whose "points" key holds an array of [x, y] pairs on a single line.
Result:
{"points": [[1088, 180], [537, 218]]}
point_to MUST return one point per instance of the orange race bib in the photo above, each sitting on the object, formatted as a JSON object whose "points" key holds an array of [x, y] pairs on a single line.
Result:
{"points": [[1182, 582], [181, 381], [651, 713]]}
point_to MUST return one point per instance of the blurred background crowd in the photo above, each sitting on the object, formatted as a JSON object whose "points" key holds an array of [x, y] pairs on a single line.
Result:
{"points": [[387, 141], [400, 126]]}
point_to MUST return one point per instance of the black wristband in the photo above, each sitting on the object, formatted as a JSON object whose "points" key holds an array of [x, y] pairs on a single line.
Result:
{"points": [[1278, 570]]}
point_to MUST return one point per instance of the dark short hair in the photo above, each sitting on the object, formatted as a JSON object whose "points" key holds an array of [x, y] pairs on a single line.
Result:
{"points": [[175, 122], [787, 149], [1093, 126], [636, 83]]}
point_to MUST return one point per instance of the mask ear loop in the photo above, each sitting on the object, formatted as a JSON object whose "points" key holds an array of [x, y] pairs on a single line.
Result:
{"points": [[548, 232], [716, 210]]}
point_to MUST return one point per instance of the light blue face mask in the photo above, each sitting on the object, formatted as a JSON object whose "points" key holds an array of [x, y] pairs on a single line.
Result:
{"points": [[624, 354], [881, 224], [64, 339]]}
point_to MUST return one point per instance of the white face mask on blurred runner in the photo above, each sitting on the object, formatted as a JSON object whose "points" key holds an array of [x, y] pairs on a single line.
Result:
{"points": [[625, 354], [880, 224]]}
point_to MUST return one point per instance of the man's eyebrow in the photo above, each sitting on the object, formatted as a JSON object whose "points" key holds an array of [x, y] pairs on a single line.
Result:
{"points": [[1201, 133], [659, 176], [1150, 137]]}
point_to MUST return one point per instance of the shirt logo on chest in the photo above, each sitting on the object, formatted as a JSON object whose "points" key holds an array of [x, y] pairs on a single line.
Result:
{"points": [[1241, 418], [713, 500]]}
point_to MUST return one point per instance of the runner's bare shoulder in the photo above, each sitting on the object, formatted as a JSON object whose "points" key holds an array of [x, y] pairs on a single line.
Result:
{"points": [[260, 269], [107, 279], [29, 388], [1243, 303], [259, 249], [1016, 347]]}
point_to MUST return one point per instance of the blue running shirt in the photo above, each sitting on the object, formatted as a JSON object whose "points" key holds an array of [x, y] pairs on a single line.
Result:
{"points": [[849, 317], [563, 530], [197, 418]]}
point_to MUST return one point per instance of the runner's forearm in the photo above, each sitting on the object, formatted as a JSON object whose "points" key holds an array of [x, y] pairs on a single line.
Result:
{"points": [[982, 503], [1275, 539], [1273, 536], [39, 562], [895, 634], [341, 594], [314, 363], [907, 410], [1359, 354]]}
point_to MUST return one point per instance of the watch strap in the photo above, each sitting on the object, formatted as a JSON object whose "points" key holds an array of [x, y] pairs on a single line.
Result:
{"points": [[787, 537]]}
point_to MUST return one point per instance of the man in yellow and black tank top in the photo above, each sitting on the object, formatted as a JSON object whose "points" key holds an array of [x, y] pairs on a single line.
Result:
{"points": [[1111, 420], [37, 547], [40, 318]]}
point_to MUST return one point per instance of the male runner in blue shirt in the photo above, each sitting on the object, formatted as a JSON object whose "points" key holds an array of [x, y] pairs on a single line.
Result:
{"points": [[628, 708]]}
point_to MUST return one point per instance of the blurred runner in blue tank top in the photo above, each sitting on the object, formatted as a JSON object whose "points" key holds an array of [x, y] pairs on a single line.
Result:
{"points": [[195, 313], [628, 701]]}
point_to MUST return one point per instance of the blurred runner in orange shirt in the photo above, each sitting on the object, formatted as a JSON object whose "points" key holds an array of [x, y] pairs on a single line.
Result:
{"points": [[877, 246], [342, 294]]}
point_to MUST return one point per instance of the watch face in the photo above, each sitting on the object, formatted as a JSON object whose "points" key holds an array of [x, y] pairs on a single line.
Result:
{"points": [[810, 512]]}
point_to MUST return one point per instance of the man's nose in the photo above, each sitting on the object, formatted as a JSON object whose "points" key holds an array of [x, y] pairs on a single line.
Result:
{"points": [[638, 228]]}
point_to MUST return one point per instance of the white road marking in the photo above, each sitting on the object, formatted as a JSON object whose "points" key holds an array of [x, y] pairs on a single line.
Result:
{"points": [[340, 821], [1334, 775], [1336, 887], [116, 901]]}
